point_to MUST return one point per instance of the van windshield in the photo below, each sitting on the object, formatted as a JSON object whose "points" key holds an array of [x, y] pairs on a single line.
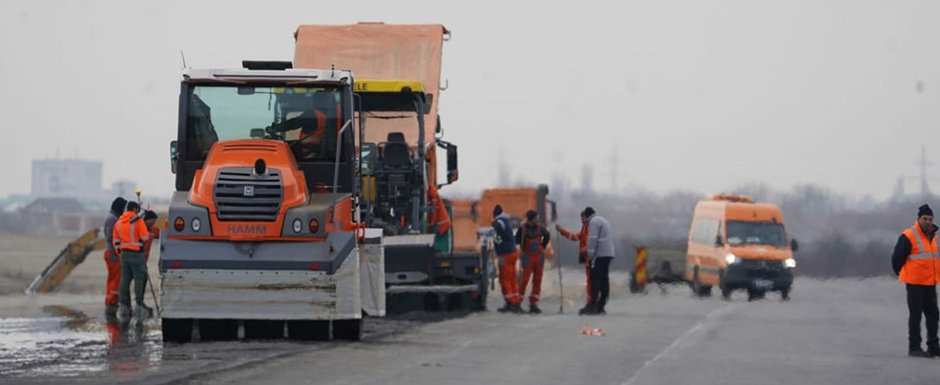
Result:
{"points": [[756, 233]]}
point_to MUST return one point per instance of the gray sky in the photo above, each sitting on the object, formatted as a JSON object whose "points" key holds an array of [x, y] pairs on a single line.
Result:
{"points": [[696, 95]]}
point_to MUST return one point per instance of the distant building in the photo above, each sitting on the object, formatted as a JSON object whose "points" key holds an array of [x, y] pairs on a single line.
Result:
{"points": [[75, 178], [59, 217]]}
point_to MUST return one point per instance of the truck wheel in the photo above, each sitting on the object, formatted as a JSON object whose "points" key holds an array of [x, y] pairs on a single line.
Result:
{"points": [[698, 289], [177, 330], [218, 329], [753, 295], [785, 294], [725, 293], [308, 330], [348, 329], [264, 329]]}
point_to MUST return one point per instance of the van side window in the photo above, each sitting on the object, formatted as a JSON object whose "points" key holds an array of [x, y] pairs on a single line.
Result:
{"points": [[705, 230]]}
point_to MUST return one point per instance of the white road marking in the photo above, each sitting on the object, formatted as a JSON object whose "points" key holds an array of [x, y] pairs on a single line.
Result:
{"points": [[714, 313]]}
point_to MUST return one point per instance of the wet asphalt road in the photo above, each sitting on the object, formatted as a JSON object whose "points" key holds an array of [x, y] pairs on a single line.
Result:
{"points": [[832, 332]]}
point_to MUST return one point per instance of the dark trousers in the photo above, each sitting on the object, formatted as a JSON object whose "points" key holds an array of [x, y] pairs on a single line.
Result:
{"points": [[133, 268], [600, 281], [922, 299]]}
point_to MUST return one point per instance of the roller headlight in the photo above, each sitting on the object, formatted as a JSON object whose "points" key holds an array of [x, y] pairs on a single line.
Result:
{"points": [[731, 258], [196, 225], [789, 263], [297, 225]]}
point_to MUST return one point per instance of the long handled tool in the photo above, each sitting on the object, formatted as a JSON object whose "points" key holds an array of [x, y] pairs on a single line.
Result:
{"points": [[153, 293], [561, 287]]}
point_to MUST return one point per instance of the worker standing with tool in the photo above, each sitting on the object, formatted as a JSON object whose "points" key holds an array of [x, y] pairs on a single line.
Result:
{"points": [[532, 239], [582, 238], [150, 219], [505, 246], [129, 235], [111, 259]]}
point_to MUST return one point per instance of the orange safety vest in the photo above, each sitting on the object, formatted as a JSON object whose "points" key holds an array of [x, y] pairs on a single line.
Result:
{"points": [[922, 266], [531, 245], [129, 235], [438, 216]]}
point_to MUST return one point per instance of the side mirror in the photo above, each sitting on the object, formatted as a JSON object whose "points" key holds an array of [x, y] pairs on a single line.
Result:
{"points": [[451, 162], [793, 245], [367, 154], [554, 212], [718, 241], [174, 155]]}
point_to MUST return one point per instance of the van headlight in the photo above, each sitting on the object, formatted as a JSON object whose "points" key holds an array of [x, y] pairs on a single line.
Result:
{"points": [[731, 258], [789, 263]]}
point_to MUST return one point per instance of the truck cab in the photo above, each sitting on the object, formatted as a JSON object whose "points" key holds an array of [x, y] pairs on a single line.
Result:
{"points": [[736, 243], [264, 237]]}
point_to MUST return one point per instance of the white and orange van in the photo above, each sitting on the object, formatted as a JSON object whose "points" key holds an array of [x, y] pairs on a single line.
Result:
{"points": [[735, 243]]}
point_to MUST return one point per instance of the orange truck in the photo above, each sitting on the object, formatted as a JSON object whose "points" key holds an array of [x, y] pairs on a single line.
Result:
{"points": [[736, 243], [264, 237], [400, 148]]}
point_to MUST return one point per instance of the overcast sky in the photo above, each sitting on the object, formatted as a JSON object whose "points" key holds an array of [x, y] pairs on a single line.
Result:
{"points": [[694, 95]]}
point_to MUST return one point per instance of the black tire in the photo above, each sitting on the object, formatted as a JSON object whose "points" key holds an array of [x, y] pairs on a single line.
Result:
{"points": [[698, 289], [753, 295], [725, 293], [308, 330], [785, 294], [432, 302], [348, 329], [177, 330], [218, 329], [264, 329]]}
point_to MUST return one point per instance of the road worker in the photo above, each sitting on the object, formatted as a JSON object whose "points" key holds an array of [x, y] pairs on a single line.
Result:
{"points": [[111, 259], [916, 262], [505, 246], [438, 219], [582, 238], [600, 252], [130, 232], [532, 239]]}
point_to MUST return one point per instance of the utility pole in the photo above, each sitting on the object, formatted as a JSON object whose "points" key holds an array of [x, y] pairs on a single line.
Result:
{"points": [[613, 170], [924, 189]]}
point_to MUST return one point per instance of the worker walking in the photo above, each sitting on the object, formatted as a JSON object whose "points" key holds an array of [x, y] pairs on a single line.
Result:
{"points": [[532, 239], [917, 264], [111, 259], [129, 235], [505, 246], [582, 238]]}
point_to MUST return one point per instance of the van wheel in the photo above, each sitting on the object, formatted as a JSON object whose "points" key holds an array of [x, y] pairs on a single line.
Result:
{"points": [[725, 293], [698, 289], [785, 294]]}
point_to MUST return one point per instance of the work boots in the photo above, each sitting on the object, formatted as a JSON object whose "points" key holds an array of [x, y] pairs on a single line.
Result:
{"points": [[510, 308], [534, 309], [143, 312], [110, 311], [588, 310], [918, 352]]}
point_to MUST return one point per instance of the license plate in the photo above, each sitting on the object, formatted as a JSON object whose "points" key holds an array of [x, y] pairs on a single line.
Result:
{"points": [[763, 283]]}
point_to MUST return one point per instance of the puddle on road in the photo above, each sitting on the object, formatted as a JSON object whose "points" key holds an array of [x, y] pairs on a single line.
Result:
{"points": [[69, 344]]}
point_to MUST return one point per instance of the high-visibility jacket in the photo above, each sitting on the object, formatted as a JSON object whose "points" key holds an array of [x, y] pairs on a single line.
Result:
{"points": [[130, 235], [922, 266], [581, 237], [438, 216]]}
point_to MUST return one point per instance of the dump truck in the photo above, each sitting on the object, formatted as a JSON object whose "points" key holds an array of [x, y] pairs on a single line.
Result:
{"points": [[399, 151], [264, 237]]}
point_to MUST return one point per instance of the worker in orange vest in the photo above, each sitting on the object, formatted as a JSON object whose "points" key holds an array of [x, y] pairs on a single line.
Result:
{"points": [[130, 232], [917, 263], [438, 219], [532, 238], [582, 238], [112, 260]]}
